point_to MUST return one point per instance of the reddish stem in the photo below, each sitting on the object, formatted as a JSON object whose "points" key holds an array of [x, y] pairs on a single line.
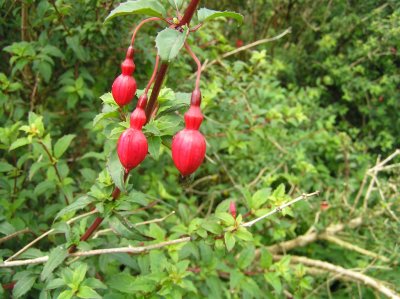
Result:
{"points": [[140, 26], [153, 76], [197, 62]]}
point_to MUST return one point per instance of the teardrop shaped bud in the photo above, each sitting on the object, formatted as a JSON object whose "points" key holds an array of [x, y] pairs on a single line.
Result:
{"points": [[124, 86], [232, 209], [138, 116], [132, 148], [188, 150], [132, 145], [189, 145]]}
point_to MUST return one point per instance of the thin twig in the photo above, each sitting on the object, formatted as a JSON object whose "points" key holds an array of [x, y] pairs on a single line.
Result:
{"points": [[47, 233], [157, 220], [129, 249], [13, 235], [353, 275], [280, 208], [346, 245], [246, 47]]}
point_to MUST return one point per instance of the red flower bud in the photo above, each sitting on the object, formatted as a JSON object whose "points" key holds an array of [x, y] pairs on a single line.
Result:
{"points": [[124, 86], [189, 145], [132, 145], [232, 209]]}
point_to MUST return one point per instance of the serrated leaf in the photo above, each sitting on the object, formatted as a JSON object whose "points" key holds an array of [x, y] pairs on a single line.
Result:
{"points": [[212, 227], [78, 204], [274, 281], [205, 14], [68, 294], [56, 257], [55, 284], [226, 218], [18, 143], [229, 241], [151, 8], [176, 3], [23, 285], [5, 167], [169, 42], [154, 146], [87, 293], [62, 144], [122, 282], [79, 274], [43, 187], [116, 170], [243, 234], [35, 167]]}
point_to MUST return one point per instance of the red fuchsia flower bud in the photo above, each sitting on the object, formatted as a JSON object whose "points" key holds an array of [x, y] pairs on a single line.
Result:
{"points": [[232, 209], [124, 86], [132, 145], [189, 145]]}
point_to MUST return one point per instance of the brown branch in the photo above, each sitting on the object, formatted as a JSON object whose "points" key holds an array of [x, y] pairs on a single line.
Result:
{"points": [[13, 235], [353, 275], [48, 233], [129, 249]]}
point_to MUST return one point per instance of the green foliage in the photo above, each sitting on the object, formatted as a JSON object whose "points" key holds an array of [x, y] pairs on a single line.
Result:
{"points": [[311, 111]]}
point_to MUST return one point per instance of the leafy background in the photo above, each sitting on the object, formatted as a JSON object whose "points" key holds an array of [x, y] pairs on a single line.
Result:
{"points": [[311, 111]]}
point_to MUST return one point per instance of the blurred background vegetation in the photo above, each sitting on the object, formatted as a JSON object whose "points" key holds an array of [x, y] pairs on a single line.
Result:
{"points": [[313, 110]]}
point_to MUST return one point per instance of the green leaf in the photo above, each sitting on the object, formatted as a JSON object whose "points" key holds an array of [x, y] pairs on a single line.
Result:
{"points": [[62, 144], [116, 170], [154, 146], [5, 167], [226, 218], [79, 274], [56, 257], [18, 143], [23, 285], [243, 234], [274, 281], [212, 227], [68, 294], [229, 241], [45, 70], [122, 282], [151, 8], [89, 293], [259, 198], [95, 283], [176, 3], [55, 284], [205, 14], [169, 42], [35, 167], [78, 204], [43, 187]]}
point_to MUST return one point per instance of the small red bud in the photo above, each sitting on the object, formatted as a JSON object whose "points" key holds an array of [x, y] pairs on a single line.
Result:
{"points": [[232, 209], [324, 205], [132, 145], [124, 86], [189, 145], [239, 43]]}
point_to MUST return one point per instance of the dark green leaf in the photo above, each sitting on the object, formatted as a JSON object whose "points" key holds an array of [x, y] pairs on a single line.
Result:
{"points": [[62, 144], [56, 257], [154, 146], [116, 170], [205, 14], [151, 8], [23, 285], [5, 167], [78, 204], [169, 42]]}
